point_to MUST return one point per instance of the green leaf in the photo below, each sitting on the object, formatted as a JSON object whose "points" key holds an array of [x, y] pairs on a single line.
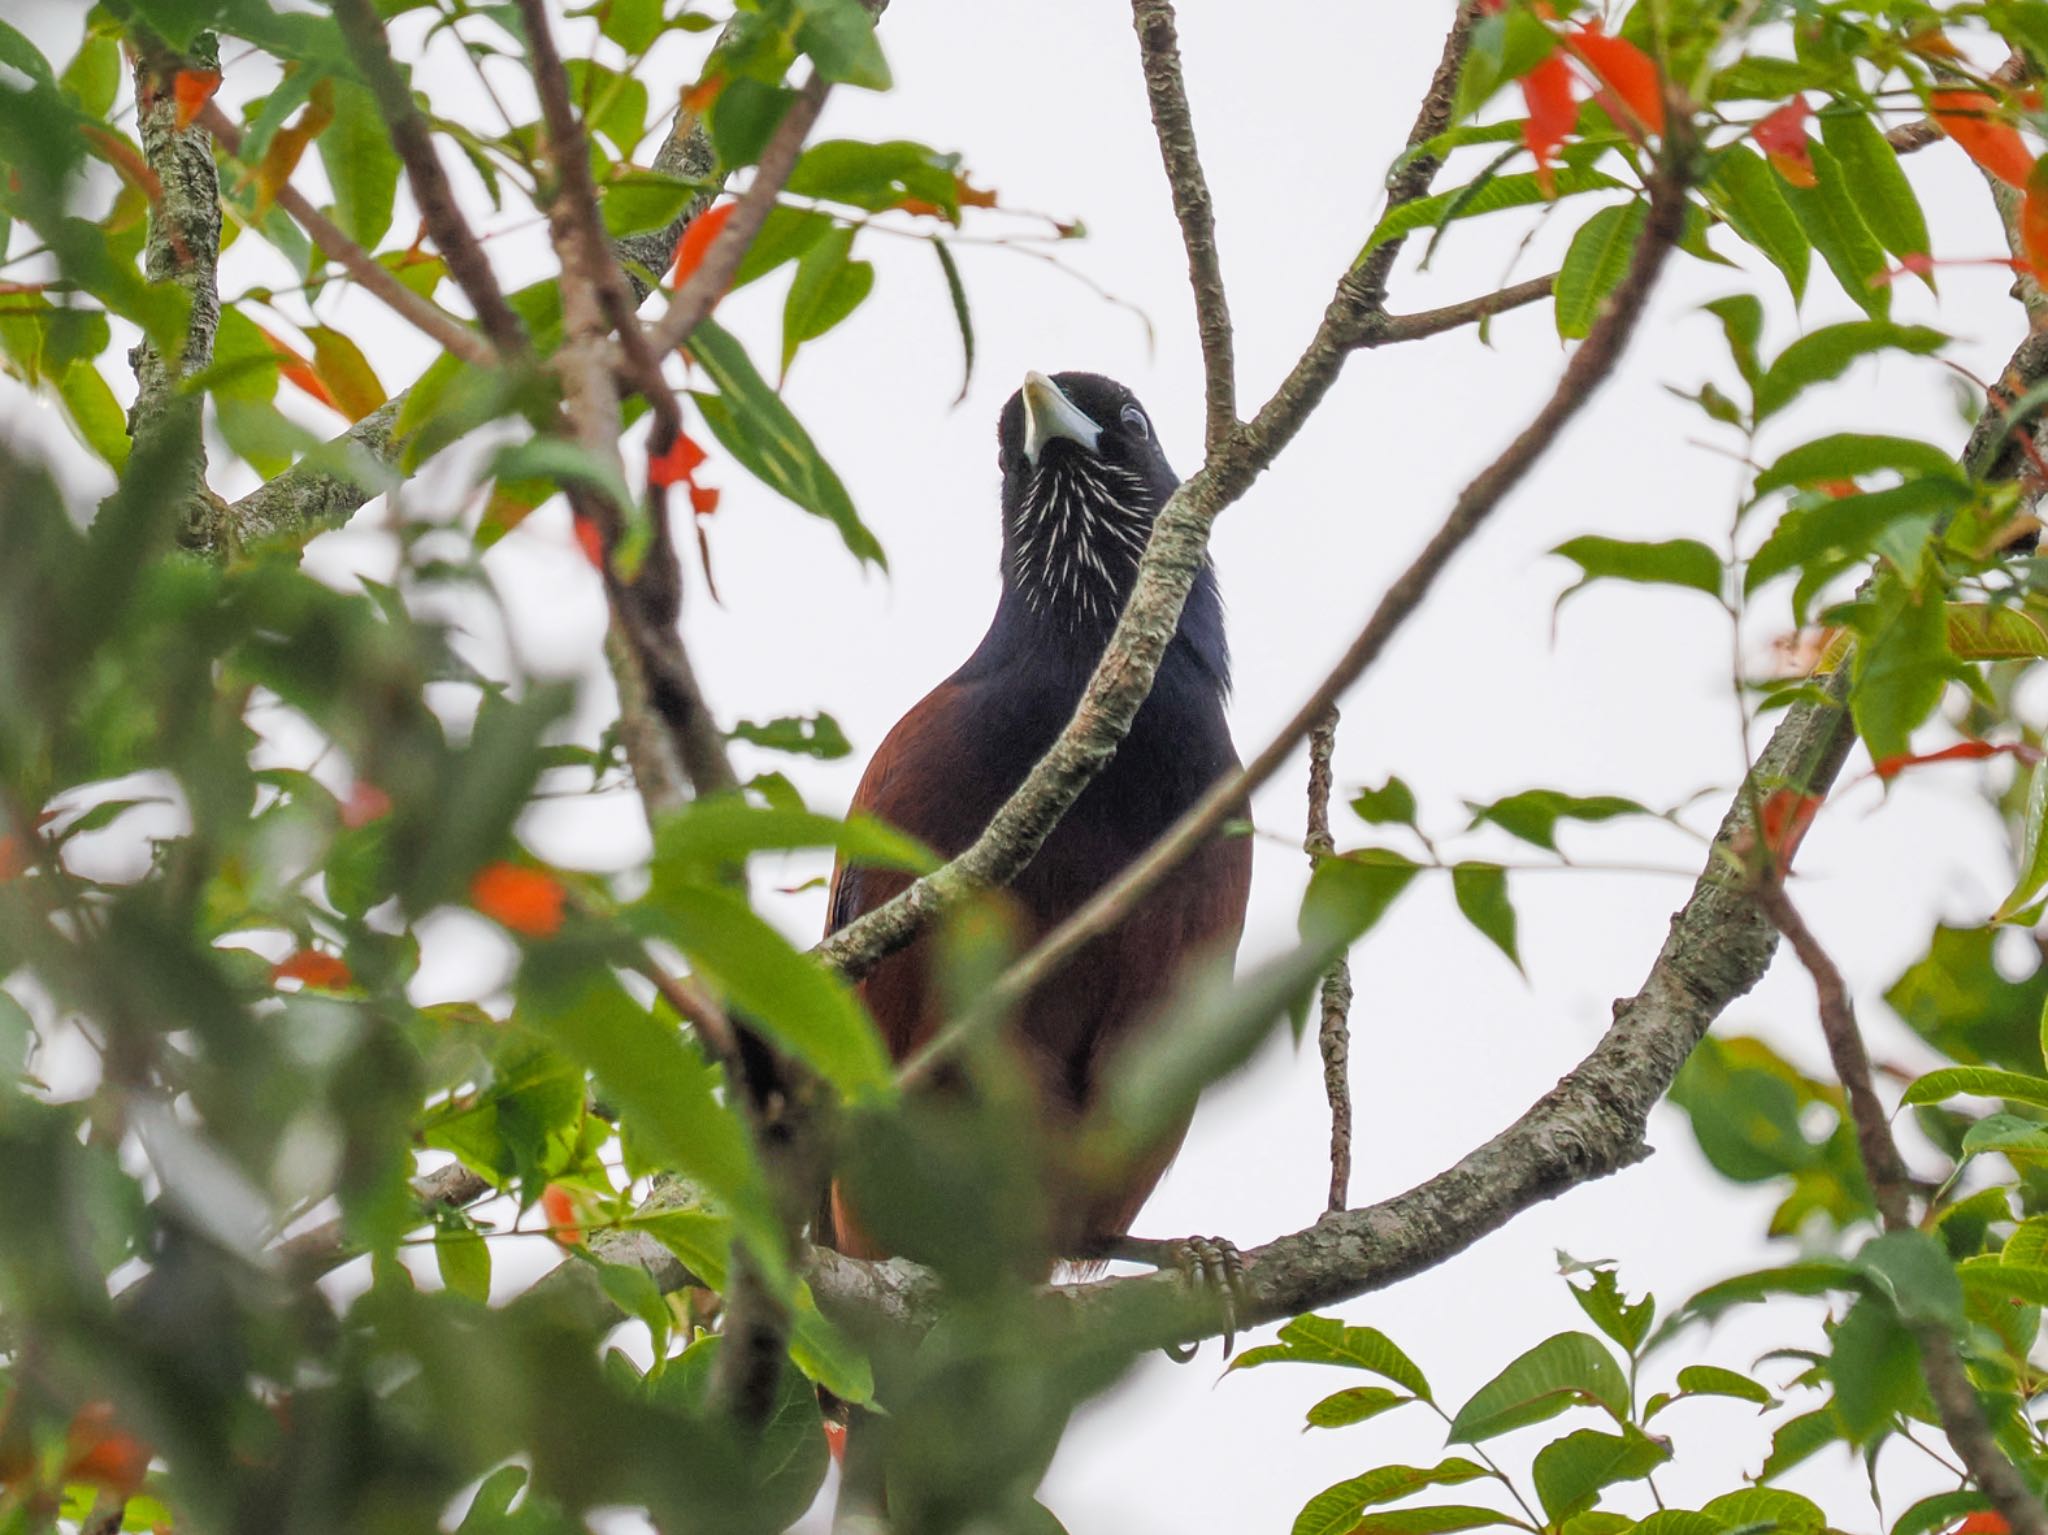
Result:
{"points": [[1337, 1508], [346, 372], [1956, 999], [1325, 1340], [2033, 864], [1672, 562], [1902, 662], [1595, 264], [1978, 1082], [1742, 322], [1710, 1380], [1611, 1311], [633, 1290], [464, 1259], [744, 118], [1827, 211], [632, 24], [361, 165], [558, 459], [1871, 171], [2007, 1134], [839, 36], [1495, 195], [695, 842], [1875, 1367], [1832, 534], [785, 235], [1533, 814], [806, 735], [1680, 1521], [1911, 1270], [1829, 352], [1750, 196], [751, 422], [878, 176], [956, 291], [1570, 1472], [1812, 1276], [1939, 1512], [635, 201], [94, 413], [1355, 1404], [1349, 893], [93, 77], [827, 288], [2008, 1281], [1796, 1439], [1567, 1370], [1482, 894], [1847, 455], [1788, 1512], [1433, 1520], [1392, 804]]}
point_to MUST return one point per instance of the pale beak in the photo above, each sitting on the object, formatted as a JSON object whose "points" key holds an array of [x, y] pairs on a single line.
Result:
{"points": [[1048, 413]]}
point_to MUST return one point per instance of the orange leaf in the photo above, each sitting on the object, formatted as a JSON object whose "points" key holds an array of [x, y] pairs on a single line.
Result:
{"points": [[365, 803], [697, 99], [1970, 117], [1547, 92], [299, 371], [2034, 220], [13, 858], [678, 463], [97, 1451], [1786, 815], [1630, 76], [528, 901], [971, 196], [1835, 490], [561, 1214], [589, 540], [1985, 1523], [192, 89], [697, 240], [917, 207], [1962, 751], [1782, 138], [703, 499], [310, 967]]}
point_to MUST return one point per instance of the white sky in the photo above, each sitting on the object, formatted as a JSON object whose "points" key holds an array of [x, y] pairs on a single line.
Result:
{"points": [[1299, 107]]}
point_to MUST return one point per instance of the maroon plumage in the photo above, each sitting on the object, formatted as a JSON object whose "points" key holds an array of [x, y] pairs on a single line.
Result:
{"points": [[1083, 477]]}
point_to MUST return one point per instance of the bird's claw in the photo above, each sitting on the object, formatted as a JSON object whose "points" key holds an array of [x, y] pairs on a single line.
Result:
{"points": [[1216, 1263]]}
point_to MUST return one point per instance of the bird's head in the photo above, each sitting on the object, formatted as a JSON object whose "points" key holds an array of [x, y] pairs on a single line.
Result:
{"points": [[1083, 477]]}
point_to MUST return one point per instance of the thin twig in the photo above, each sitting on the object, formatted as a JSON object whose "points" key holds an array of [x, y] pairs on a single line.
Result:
{"points": [[1174, 556], [1948, 1382], [319, 1249], [1588, 367], [1393, 328], [363, 31], [702, 288], [1333, 1035], [1159, 50], [436, 323]]}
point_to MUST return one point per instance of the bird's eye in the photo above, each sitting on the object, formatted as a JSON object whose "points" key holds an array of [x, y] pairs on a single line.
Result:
{"points": [[1134, 419]]}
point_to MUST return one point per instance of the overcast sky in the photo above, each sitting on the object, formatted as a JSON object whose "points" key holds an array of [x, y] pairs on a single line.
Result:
{"points": [[1299, 107]]}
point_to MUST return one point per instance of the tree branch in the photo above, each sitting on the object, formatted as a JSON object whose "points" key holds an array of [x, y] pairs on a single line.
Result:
{"points": [[321, 1249], [1175, 554], [1948, 1382], [410, 136], [1387, 329], [436, 323], [1333, 1035], [1159, 50]]}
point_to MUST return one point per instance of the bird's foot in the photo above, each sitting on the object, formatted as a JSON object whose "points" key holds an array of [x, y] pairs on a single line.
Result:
{"points": [[1204, 1262]]}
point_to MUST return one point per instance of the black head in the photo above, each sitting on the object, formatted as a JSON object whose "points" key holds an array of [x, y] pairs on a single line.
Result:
{"points": [[1083, 477]]}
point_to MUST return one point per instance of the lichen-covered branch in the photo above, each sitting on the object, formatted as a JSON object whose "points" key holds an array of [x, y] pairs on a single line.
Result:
{"points": [[182, 249], [1333, 1031], [1159, 50], [1948, 1382], [1175, 555]]}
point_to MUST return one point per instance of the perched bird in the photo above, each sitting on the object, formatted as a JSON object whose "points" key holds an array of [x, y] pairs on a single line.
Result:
{"points": [[1083, 478]]}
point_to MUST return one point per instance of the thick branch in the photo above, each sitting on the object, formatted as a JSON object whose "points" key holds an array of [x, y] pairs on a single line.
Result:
{"points": [[1177, 552], [1333, 1033], [1948, 1382], [1159, 48], [436, 323], [414, 140]]}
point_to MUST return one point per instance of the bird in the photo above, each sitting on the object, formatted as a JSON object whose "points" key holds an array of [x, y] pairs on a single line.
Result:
{"points": [[1083, 478]]}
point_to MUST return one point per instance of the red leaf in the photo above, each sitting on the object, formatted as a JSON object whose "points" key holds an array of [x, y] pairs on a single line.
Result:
{"points": [[2034, 220], [918, 208], [1962, 751], [968, 195], [696, 240], [1630, 76], [365, 803], [310, 967], [1985, 1523], [1782, 138], [678, 463], [561, 1214], [13, 858], [1786, 815], [299, 371], [528, 901], [697, 99], [1547, 92], [590, 541], [703, 499], [98, 1451], [192, 89], [1970, 117]]}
